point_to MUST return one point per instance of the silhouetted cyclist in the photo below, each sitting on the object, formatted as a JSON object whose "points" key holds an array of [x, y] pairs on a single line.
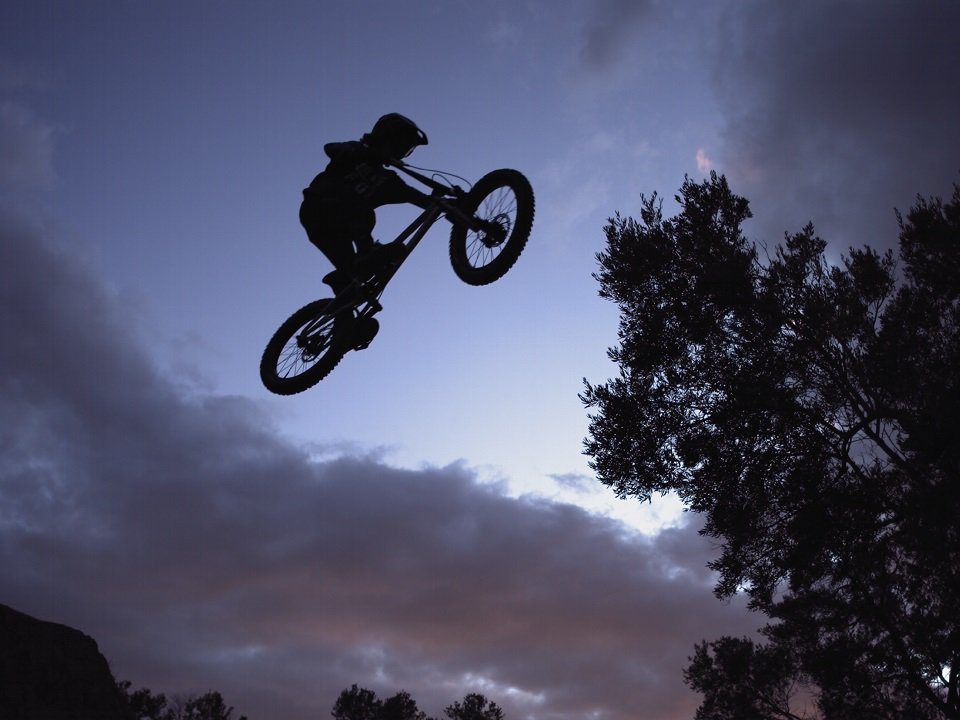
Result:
{"points": [[338, 208]]}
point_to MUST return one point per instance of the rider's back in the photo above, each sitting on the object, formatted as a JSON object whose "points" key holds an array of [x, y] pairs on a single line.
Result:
{"points": [[356, 173]]}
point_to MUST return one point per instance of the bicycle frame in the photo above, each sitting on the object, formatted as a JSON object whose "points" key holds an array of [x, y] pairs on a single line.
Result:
{"points": [[364, 295]]}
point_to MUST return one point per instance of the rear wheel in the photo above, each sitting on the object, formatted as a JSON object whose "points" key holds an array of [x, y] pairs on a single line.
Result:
{"points": [[304, 350], [502, 201]]}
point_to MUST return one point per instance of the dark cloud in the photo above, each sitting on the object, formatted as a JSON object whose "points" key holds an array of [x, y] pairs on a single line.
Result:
{"points": [[202, 550], [612, 27], [838, 112], [26, 146]]}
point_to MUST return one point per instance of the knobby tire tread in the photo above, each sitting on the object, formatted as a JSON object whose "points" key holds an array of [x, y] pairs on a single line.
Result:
{"points": [[519, 233], [318, 371]]}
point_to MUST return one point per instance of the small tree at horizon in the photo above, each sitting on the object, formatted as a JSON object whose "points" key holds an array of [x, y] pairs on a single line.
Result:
{"points": [[143, 704], [357, 703], [474, 707]]}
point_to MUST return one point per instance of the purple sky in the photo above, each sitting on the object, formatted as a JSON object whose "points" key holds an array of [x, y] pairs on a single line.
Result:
{"points": [[422, 520]]}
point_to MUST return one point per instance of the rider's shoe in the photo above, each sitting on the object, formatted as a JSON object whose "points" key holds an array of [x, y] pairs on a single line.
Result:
{"points": [[382, 254]]}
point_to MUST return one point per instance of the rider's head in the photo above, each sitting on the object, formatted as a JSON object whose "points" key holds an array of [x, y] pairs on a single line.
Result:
{"points": [[396, 136]]}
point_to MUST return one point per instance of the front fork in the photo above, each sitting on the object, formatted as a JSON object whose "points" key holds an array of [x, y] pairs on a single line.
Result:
{"points": [[491, 232]]}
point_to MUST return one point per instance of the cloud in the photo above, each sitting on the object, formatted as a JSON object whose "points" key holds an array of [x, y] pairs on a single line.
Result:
{"points": [[577, 482], [704, 163], [838, 112], [611, 30], [202, 550], [26, 146]]}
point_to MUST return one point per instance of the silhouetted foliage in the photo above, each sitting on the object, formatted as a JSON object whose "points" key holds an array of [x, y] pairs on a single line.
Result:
{"points": [[357, 703], [474, 707], [209, 706], [401, 707], [743, 681], [810, 412], [142, 704]]}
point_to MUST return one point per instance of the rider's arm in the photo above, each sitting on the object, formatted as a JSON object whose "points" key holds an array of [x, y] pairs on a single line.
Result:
{"points": [[420, 199], [396, 191], [363, 169]]}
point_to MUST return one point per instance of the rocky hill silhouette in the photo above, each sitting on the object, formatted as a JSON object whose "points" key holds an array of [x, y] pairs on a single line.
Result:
{"points": [[50, 671]]}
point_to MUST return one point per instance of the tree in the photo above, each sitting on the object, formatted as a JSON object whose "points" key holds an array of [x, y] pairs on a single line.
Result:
{"points": [[357, 703], [361, 704], [401, 707], [209, 706], [743, 681], [474, 707], [809, 412], [143, 704]]}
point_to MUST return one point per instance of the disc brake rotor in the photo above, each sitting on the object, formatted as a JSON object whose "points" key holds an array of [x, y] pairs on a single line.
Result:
{"points": [[497, 231], [311, 346]]}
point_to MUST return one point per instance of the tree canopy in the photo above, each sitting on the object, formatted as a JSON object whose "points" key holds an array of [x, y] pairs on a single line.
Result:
{"points": [[357, 703], [144, 704], [809, 410], [474, 707]]}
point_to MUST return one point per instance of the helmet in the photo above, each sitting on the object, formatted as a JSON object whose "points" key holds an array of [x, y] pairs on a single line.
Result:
{"points": [[396, 135]]}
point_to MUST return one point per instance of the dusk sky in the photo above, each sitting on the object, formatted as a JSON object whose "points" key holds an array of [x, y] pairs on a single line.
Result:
{"points": [[423, 519]]}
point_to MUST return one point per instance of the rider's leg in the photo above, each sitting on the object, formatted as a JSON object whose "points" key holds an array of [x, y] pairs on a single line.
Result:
{"points": [[342, 232], [371, 255], [326, 229], [382, 256], [364, 242], [339, 251]]}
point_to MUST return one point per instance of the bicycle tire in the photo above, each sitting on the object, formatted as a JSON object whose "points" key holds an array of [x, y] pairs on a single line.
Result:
{"points": [[506, 198], [292, 364]]}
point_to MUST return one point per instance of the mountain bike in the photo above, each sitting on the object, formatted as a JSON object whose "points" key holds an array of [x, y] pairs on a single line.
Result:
{"points": [[490, 225]]}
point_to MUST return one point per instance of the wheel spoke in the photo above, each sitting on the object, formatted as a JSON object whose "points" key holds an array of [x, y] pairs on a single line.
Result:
{"points": [[500, 207]]}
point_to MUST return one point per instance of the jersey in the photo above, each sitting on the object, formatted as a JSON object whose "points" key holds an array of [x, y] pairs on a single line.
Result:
{"points": [[356, 175]]}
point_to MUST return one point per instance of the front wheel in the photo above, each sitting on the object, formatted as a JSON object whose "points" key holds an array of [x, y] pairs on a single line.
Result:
{"points": [[502, 204], [304, 350]]}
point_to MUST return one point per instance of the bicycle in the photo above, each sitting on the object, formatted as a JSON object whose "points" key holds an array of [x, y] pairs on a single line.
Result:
{"points": [[491, 223]]}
